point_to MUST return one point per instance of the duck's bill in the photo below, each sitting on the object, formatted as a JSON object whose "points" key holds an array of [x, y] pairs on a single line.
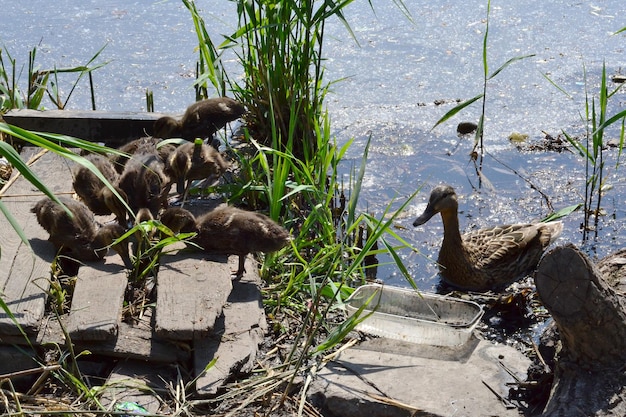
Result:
{"points": [[426, 215]]}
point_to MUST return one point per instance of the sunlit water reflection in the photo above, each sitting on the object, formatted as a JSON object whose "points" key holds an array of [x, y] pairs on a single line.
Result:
{"points": [[390, 82]]}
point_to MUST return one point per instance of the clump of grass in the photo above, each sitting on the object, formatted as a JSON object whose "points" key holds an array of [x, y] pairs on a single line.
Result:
{"points": [[41, 82], [280, 47]]}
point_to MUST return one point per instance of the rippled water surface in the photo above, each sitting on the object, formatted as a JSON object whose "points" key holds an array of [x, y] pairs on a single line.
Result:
{"points": [[391, 77]]}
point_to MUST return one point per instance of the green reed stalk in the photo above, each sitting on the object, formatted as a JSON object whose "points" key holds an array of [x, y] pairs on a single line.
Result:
{"points": [[209, 68], [479, 136], [596, 121]]}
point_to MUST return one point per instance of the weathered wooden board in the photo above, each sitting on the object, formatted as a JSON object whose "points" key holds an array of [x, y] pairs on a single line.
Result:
{"points": [[137, 342], [25, 272], [97, 300], [16, 359], [111, 128], [192, 288], [236, 337], [136, 382]]}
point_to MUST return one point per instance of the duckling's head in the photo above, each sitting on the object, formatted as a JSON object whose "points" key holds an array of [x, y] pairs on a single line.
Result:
{"points": [[177, 166], [145, 229], [105, 238], [115, 204], [166, 127], [179, 220], [442, 200]]}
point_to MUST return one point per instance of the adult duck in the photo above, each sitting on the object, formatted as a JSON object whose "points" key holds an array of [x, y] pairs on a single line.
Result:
{"points": [[201, 120], [487, 258], [78, 236]]}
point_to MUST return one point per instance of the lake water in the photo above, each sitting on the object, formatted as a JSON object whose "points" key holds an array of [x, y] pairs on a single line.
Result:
{"points": [[390, 82]]}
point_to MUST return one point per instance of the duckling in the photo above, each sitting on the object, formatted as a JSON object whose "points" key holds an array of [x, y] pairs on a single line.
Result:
{"points": [[147, 144], [238, 232], [79, 236], [142, 181], [230, 230], [194, 161], [92, 191], [487, 258], [201, 120]]}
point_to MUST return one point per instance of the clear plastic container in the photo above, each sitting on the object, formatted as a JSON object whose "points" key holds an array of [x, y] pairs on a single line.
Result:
{"points": [[423, 318]]}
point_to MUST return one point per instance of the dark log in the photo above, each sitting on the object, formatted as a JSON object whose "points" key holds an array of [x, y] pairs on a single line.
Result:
{"points": [[590, 314]]}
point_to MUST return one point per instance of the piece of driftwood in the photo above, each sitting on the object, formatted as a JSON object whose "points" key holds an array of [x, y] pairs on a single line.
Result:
{"points": [[590, 314]]}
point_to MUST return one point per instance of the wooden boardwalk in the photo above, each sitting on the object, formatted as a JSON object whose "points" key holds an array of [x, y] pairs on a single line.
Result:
{"points": [[196, 313]]}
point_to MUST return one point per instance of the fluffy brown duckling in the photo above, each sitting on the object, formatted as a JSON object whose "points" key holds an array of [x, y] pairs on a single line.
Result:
{"points": [[194, 161], [143, 180], [235, 232], [147, 144], [201, 120], [92, 191], [79, 236], [487, 258]]}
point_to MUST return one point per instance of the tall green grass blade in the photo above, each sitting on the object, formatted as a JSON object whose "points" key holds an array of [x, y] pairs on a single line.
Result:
{"points": [[485, 37], [509, 62], [42, 140], [10, 314], [357, 186], [340, 332], [603, 125], [559, 214], [558, 87], [621, 143], [457, 109], [14, 159]]}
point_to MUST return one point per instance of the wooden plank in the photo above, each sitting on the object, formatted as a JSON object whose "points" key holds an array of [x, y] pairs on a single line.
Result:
{"points": [[236, 337], [97, 300], [13, 359], [137, 342], [111, 128], [192, 288], [25, 274], [136, 382]]}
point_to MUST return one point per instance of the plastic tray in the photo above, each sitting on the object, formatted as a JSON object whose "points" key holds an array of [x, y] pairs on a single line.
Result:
{"points": [[424, 318]]}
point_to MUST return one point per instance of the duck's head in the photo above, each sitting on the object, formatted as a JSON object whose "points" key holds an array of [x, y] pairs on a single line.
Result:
{"points": [[166, 127], [116, 204], [179, 220], [107, 236], [442, 200], [177, 166]]}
